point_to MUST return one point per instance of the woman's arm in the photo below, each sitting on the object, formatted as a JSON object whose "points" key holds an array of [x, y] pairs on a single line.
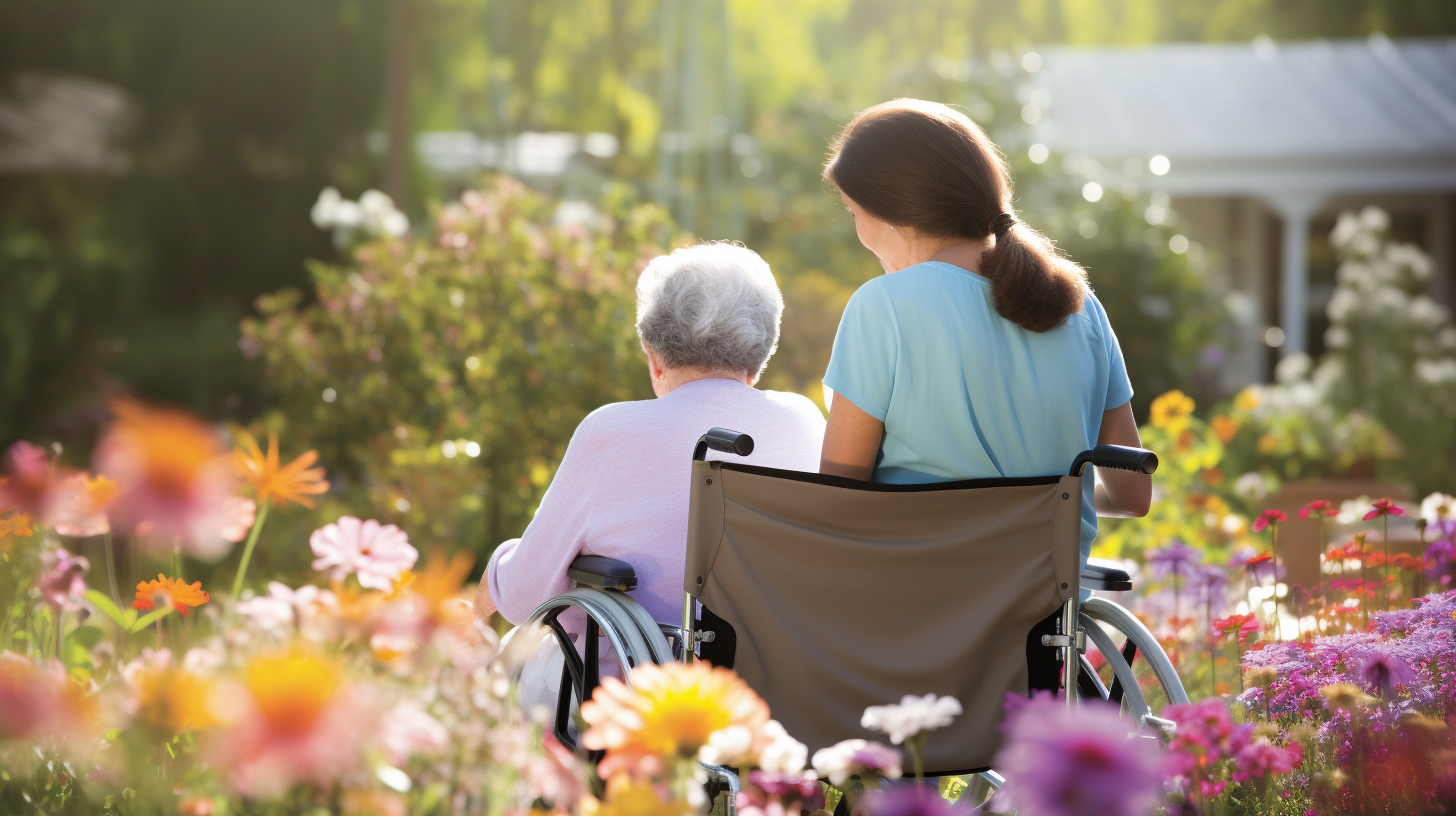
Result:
{"points": [[1122, 493], [851, 441]]}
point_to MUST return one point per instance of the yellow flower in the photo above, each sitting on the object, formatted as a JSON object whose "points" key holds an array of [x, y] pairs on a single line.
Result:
{"points": [[293, 482], [171, 592], [292, 689], [1171, 410], [629, 797], [1225, 428], [1268, 443], [1247, 400], [170, 700], [669, 711], [1347, 696]]}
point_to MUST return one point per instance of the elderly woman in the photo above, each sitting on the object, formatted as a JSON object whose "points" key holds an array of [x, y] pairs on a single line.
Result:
{"points": [[708, 319]]}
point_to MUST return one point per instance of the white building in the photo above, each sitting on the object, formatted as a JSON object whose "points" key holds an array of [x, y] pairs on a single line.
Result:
{"points": [[1263, 144]]}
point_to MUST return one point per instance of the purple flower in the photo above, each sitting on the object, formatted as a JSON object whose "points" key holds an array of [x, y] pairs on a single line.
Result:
{"points": [[1383, 672], [914, 800], [1176, 559], [799, 786], [1208, 584], [62, 579], [1070, 762]]}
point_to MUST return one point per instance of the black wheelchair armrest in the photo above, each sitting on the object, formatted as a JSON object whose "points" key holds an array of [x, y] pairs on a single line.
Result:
{"points": [[724, 441], [1116, 456], [601, 572], [1105, 576]]}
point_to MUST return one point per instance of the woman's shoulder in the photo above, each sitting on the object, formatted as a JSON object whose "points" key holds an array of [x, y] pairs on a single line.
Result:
{"points": [[796, 407]]}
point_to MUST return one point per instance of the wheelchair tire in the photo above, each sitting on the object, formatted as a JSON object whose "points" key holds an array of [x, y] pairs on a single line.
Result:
{"points": [[1097, 613]]}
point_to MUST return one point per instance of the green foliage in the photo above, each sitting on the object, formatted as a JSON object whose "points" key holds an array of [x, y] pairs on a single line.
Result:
{"points": [[441, 377]]}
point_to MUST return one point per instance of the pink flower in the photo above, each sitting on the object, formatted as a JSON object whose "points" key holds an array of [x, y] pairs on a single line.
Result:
{"points": [[1383, 507], [1269, 517], [378, 554], [238, 515], [408, 730], [29, 484], [79, 507], [283, 607], [62, 579], [1315, 509], [1259, 759], [1385, 672], [38, 704], [172, 474]]}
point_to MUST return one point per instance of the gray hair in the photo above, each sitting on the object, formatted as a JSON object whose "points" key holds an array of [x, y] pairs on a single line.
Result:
{"points": [[714, 306]]}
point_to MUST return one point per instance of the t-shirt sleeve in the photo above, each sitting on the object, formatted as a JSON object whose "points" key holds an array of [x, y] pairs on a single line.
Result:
{"points": [[1119, 387], [866, 348], [526, 572]]}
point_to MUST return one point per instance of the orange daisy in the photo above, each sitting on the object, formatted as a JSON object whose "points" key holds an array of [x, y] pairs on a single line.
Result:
{"points": [[294, 482], [172, 592]]}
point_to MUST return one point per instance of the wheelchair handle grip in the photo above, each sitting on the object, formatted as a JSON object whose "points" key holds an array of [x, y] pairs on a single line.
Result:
{"points": [[723, 440], [1119, 457]]}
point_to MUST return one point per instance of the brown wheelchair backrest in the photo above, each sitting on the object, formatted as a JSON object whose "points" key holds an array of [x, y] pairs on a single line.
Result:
{"points": [[847, 594]]}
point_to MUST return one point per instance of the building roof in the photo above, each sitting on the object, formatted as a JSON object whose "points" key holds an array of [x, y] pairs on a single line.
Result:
{"points": [[1324, 117]]}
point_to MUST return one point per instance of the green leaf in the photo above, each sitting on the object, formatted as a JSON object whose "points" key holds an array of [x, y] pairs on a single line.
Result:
{"points": [[150, 618], [107, 607]]}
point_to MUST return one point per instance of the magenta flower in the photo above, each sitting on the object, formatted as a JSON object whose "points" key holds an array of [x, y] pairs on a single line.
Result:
{"points": [[376, 553], [1259, 759], [1071, 762], [1206, 734], [1315, 509], [62, 579], [1267, 518], [1384, 672], [782, 784], [914, 800], [1383, 507]]}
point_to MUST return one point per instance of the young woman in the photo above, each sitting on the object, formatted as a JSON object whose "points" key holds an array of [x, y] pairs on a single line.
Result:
{"points": [[981, 353]]}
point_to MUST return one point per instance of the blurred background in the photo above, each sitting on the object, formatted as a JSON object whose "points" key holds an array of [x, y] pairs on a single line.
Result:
{"points": [[165, 230]]}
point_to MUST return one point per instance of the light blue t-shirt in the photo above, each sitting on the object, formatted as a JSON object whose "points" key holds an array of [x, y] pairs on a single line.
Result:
{"points": [[965, 393]]}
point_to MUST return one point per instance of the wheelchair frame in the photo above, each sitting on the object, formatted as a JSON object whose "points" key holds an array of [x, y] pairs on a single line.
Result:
{"points": [[602, 585]]}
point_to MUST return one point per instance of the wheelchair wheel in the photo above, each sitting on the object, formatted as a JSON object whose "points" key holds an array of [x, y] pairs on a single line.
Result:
{"points": [[1144, 701]]}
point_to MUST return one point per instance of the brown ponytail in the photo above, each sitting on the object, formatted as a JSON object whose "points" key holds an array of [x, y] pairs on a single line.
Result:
{"points": [[925, 166]]}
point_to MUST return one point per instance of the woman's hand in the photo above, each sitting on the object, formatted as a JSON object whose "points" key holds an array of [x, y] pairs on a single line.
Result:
{"points": [[1121, 493], [484, 606], [851, 441]]}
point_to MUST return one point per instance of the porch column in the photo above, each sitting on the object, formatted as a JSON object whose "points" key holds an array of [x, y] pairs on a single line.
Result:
{"points": [[1295, 211]]}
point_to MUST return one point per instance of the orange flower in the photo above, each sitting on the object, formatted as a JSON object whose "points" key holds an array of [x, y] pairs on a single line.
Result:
{"points": [[441, 580], [170, 700], [15, 524], [171, 592], [291, 690], [293, 482], [82, 509], [1225, 428]]}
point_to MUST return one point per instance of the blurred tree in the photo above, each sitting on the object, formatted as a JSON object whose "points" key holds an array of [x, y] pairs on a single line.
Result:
{"points": [[440, 377]]}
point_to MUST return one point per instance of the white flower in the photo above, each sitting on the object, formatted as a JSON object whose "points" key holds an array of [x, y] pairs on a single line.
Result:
{"points": [[323, 212], [1435, 372], [1353, 510], [284, 606], [855, 757], [1374, 219], [1437, 507], [912, 716], [727, 746], [783, 753], [1251, 486]]}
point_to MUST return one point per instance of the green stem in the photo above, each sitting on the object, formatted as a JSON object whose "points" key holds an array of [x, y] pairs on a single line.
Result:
{"points": [[1274, 554], [111, 569], [60, 632], [1385, 576], [248, 548], [915, 743]]}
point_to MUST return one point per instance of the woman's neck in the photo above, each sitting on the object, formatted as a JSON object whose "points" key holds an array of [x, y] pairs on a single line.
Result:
{"points": [[675, 378], [962, 253]]}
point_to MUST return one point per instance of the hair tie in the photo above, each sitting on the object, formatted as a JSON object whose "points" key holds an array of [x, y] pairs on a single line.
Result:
{"points": [[1002, 224]]}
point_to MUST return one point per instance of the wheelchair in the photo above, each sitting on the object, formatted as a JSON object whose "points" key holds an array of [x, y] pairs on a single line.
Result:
{"points": [[828, 595]]}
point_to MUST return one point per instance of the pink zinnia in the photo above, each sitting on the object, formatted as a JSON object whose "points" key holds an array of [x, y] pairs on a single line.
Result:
{"points": [[1070, 762], [62, 579], [1383, 507], [1260, 758], [1269, 517], [1315, 509], [378, 554]]}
